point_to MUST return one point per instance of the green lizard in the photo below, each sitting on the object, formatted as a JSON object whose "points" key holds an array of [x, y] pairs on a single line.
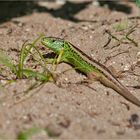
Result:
{"points": [[93, 69]]}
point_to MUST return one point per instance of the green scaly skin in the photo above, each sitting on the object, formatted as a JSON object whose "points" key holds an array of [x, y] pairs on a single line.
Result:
{"points": [[87, 65]]}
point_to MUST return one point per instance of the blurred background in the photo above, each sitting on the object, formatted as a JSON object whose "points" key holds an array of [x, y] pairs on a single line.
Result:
{"points": [[66, 9]]}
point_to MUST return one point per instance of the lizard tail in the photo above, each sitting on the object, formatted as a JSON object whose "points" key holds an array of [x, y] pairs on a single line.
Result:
{"points": [[122, 90], [128, 95]]}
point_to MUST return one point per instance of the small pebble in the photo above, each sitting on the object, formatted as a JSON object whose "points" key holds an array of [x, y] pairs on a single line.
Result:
{"points": [[90, 36], [127, 67], [60, 1], [95, 3], [134, 118], [134, 121], [27, 29], [9, 31], [66, 79]]}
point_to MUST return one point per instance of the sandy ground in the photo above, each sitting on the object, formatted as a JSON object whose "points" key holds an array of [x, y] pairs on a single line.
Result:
{"points": [[73, 110]]}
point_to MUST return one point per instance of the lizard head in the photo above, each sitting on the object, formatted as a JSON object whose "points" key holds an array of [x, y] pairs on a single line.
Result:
{"points": [[53, 43]]}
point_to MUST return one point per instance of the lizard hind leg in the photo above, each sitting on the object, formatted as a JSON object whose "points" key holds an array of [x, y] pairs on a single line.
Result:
{"points": [[93, 76]]}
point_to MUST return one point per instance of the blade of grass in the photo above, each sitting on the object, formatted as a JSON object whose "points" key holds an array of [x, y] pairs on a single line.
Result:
{"points": [[26, 95], [24, 53], [5, 60], [39, 76], [28, 133], [41, 57], [138, 3], [121, 26], [129, 32]]}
